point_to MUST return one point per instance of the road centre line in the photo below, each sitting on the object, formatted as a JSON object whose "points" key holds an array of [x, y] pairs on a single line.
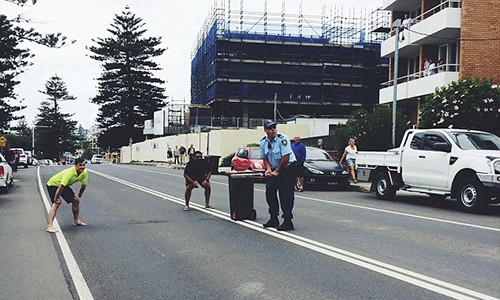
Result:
{"points": [[398, 273], [81, 287], [359, 206]]}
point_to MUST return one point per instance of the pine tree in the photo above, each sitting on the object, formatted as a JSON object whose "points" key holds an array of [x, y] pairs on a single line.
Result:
{"points": [[55, 131], [128, 92], [12, 59]]}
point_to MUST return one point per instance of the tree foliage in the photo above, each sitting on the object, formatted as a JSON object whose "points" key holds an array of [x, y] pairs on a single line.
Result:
{"points": [[14, 59], [54, 130], [372, 130], [128, 93], [466, 103]]}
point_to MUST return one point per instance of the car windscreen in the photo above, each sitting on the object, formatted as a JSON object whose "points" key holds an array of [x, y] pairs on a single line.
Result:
{"points": [[255, 153], [476, 140], [317, 154]]}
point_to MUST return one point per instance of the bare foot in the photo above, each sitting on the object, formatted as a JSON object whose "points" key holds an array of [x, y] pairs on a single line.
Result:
{"points": [[80, 223], [51, 229]]}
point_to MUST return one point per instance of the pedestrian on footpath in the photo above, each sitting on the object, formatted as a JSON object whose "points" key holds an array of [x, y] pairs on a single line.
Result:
{"points": [[299, 150], [349, 155], [59, 186], [280, 164]]}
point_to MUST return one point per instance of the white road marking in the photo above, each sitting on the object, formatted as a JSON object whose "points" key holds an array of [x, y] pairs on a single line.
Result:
{"points": [[80, 284], [402, 274], [352, 205]]}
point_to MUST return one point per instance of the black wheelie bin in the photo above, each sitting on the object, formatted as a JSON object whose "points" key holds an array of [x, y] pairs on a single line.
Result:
{"points": [[241, 195]]}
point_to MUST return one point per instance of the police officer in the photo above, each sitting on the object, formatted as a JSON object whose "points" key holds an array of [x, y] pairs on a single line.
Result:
{"points": [[279, 161]]}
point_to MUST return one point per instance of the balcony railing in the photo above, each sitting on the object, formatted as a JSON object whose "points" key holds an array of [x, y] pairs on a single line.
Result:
{"points": [[423, 73], [432, 11]]}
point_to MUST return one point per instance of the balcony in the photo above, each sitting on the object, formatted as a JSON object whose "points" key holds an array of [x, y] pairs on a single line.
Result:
{"points": [[436, 26], [419, 84]]}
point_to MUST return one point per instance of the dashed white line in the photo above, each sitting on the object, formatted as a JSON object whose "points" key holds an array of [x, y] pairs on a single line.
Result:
{"points": [[408, 276]]}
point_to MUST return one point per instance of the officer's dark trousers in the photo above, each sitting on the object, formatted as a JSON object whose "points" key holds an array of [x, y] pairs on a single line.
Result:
{"points": [[282, 185]]}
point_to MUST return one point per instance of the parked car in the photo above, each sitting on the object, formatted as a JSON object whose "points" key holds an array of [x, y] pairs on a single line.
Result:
{"points": [[23, 158], [97, 159], [6, 175], [322, 170], [46, 162], [247, 158], [30, 158]]}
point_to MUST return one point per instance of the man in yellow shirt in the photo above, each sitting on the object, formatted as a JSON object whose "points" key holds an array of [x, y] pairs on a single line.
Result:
{"points": [[58, 186]]}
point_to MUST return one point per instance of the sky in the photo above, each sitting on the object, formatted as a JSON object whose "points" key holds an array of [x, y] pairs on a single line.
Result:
{"points": [[177, 22]]}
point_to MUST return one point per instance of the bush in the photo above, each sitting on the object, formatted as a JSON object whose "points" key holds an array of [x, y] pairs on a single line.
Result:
{"points": [[226, 161]]}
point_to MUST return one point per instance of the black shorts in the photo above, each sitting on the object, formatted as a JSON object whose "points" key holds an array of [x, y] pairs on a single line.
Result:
{"points": [[67, 194], [300, 169], [199, 180]]}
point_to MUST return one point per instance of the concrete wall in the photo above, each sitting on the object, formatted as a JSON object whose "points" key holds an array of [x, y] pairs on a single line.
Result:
{"points": [[220, 142]]}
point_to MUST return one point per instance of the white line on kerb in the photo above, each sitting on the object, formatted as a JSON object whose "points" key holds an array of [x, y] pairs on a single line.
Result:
{"points": [[81, 286], [408, 276]]}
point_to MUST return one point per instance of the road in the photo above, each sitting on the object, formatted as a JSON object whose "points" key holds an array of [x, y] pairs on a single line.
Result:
{"points": [[140, 244]]}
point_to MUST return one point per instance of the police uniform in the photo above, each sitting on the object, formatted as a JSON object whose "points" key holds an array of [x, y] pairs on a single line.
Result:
{"points": [[283, 183]]}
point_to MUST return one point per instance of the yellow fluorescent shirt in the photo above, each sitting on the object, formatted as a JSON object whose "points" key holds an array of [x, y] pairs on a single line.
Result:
{"points": [[68, 177]]}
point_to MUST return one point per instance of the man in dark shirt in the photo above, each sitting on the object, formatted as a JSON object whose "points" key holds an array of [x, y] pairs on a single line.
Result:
{"points": [[196, 173]]}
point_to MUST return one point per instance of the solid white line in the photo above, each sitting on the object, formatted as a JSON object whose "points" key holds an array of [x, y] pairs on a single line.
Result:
{"points": [[403, 214], [411, 277], [357, 206], [80, 284]]}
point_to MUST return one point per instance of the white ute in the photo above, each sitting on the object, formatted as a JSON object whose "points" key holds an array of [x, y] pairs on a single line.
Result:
{"points": [[463, 164]]}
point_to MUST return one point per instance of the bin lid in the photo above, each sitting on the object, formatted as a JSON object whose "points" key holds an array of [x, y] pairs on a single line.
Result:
{"points": [[244, 174]]}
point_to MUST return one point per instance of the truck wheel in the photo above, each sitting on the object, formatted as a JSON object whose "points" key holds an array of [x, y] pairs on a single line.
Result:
{"points": [[471, 195], [383, 187]]}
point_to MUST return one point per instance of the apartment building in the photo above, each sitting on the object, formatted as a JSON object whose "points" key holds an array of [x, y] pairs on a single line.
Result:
{"points": [[461, 38]]}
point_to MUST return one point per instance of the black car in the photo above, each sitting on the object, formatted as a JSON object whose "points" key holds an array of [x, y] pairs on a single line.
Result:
{"points": [[322, 170]]}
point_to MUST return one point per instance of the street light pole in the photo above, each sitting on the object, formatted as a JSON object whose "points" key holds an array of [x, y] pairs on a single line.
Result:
{"points": [[395, 25]]}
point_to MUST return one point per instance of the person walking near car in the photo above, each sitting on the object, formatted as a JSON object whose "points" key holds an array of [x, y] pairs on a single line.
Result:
{"points": [[196, 173], [350, 153], [59, 186], [300, 153], [10, 157], [280, 165]]}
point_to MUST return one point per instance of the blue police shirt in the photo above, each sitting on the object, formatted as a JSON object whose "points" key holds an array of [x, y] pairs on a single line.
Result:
{"points": [[276, 149]]}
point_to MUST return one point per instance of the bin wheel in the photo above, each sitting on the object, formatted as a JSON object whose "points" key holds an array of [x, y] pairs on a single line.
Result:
{"points": [[234, 216], [253, 215]]}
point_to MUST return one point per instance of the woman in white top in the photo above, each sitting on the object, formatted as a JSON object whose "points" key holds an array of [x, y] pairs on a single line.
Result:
{"points": [[349, 155]]}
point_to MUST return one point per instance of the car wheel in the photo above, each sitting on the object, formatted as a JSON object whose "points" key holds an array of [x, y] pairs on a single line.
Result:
{"points": [[383, 187], [4, 189], [471, 195]]}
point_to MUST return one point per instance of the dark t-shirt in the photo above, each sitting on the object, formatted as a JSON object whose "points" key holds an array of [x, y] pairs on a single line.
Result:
{"points": [[197, 169]]}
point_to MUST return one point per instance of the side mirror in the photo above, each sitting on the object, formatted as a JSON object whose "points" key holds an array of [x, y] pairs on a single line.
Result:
{"points": [[443, 147]]}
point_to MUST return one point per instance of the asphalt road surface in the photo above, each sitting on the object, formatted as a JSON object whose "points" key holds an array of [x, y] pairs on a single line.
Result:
{"points": [[140, 244]]}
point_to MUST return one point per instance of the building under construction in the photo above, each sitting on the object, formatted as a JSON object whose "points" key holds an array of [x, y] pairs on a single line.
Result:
{"points": [[249, 65]]}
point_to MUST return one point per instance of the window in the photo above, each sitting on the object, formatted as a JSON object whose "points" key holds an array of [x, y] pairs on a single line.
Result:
{"points": [[416, 141], [430, 140]]}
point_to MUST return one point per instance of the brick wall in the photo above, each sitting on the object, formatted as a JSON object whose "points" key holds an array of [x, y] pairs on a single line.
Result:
{"points": [[480, 39]]}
